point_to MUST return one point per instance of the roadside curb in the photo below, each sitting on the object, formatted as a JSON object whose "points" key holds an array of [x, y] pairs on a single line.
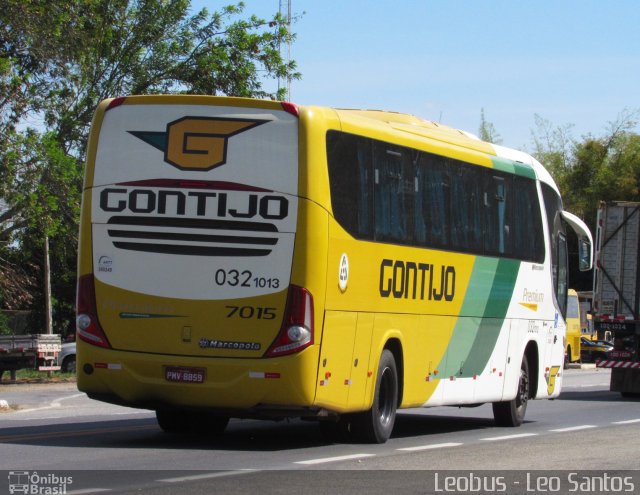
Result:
{"points": [[37, 381], [581, 366]]}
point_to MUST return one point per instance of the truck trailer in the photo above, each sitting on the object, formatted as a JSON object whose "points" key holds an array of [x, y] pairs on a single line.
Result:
{"points": [[616, 292], [34, 351]]}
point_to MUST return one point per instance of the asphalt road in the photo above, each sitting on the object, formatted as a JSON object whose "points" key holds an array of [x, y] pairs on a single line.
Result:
{"points": [[56, 429]]}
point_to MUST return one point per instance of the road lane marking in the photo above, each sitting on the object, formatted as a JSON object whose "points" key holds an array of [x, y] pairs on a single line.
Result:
{"points": [[509, 437], [589, 385], [56, 403], [573, 428], [207, 476], [52, 405], [627, 422], [334, 459], [430, 447]]}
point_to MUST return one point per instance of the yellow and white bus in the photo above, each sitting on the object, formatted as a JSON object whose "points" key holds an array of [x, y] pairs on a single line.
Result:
{"points": [[573, 319], [244, 258]]}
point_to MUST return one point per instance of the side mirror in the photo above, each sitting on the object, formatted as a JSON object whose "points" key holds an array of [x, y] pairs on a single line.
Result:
{"points": [[585, 241], [584, 255]]}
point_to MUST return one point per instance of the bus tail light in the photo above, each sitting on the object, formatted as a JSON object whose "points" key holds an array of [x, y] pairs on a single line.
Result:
{"points": [[87, 324], [116, 102], [296, 332], [291, 108]]}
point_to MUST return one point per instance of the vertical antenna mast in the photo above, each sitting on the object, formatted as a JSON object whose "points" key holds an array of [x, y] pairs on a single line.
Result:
{"points": [[288, 53]]}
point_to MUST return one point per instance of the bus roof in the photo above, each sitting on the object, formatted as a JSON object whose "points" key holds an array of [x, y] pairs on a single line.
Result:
{"points": [[433, 131]]}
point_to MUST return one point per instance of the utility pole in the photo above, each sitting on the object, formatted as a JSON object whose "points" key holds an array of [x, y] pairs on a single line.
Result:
{"points": [[288, 49], [47, 288]]}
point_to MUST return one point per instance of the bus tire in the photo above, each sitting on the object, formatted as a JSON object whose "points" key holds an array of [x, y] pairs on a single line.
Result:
{"points": [[191, 422], [376, 424], [511, 413]]}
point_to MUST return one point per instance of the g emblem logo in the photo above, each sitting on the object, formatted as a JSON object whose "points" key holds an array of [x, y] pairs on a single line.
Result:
{"points": [[196, 143]]}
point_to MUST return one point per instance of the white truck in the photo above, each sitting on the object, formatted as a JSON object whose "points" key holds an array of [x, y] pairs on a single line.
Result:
{"points": [[35, 351], [616, 292]]}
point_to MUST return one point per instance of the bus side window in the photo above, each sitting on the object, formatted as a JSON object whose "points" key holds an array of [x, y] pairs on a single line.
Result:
{"points": [[497, 218], [351, 182], [528, 239], [466, 201], [562, 287], [393, 189], [432, 199], [558, 245]]}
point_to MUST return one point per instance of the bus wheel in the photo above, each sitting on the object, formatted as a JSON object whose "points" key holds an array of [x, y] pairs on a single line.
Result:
{"points": [[376, 424], [191, 422], [511, 413]]}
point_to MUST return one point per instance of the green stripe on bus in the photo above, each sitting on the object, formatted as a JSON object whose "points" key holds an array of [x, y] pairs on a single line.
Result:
{"points": [[481, 317], [490, 326], [483, 347], [502, 288], [512, 167], [468, 324]]}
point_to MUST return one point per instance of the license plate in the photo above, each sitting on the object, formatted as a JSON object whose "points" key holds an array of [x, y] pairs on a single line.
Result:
{"points": [[184, 375], [620, 354]]}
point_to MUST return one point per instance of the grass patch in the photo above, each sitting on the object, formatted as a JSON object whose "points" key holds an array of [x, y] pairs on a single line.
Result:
{"points": [[35, 376]]}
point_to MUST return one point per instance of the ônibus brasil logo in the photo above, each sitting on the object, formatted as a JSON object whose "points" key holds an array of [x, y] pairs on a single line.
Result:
{"points": [[196, 143]]}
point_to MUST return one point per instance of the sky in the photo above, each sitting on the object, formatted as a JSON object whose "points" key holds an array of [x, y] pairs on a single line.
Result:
{"points": [[572, 62]]}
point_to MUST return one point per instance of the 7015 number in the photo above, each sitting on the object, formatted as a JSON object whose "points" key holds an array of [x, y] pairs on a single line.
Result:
{"points": [[247, 312]]}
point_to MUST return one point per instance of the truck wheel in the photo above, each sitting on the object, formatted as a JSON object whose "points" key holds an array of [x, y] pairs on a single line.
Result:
{"points": [[191, 422], [69, 364], [376, 424], [511, 413]]}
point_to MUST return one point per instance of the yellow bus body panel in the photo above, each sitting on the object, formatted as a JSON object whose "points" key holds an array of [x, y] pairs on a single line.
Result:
{"points": [[139, 379]]}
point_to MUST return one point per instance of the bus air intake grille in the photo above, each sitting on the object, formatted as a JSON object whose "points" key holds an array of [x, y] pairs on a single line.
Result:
{"points": [[192, 237]]}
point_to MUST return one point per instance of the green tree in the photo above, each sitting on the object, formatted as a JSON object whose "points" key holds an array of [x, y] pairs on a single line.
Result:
{"points": [[553, 146], [595, 169], [59, 59], [487, 131], [4, 324]]}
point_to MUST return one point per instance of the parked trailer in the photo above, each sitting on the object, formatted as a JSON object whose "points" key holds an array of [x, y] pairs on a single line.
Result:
{"points": [[616, 292], [35, 351]]}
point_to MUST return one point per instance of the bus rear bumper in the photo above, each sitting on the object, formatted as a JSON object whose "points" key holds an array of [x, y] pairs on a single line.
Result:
{"points": [[278, 387]]}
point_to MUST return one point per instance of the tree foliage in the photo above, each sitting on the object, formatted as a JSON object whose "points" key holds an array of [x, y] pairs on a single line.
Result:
{"points": [[593, 169], [487, 131], [58, 60]]}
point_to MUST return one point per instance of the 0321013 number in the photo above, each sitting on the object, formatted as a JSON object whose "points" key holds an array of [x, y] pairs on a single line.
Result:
{"points": [[244, 278], [247, 312]]}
